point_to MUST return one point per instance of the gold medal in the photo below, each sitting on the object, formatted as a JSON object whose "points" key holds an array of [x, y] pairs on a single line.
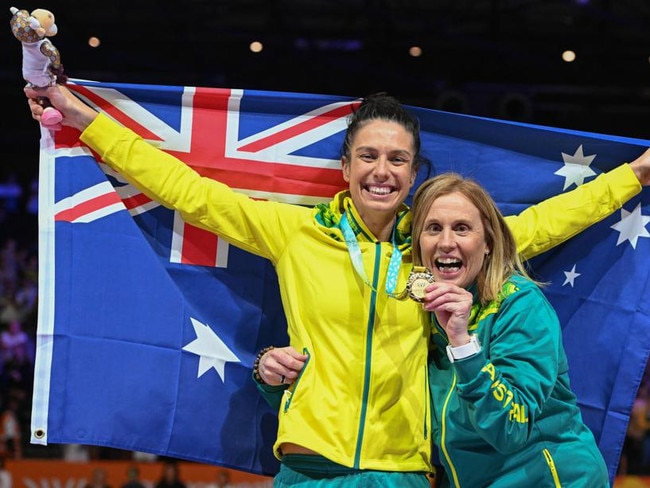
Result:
{"points": [[418, 280]]}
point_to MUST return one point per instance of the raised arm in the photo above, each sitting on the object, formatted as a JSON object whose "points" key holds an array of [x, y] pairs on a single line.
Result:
{"points": [[551, 222], [260, 227]]}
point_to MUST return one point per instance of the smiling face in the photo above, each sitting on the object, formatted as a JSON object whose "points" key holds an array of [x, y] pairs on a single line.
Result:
{"points": [[452, 241], [379, 170]]}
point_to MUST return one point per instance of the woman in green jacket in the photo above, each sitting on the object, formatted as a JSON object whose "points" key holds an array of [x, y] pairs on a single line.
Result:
{"points": [[503, 410]]}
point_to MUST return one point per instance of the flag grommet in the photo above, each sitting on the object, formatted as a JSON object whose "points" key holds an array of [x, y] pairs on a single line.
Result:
{"points": [[39, 433]]}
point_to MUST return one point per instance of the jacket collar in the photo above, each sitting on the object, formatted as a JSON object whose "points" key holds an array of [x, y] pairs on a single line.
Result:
{"points": [[329, 215]]}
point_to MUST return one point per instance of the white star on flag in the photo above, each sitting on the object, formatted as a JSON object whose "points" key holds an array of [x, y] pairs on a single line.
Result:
{"points": [[576, 168], [570, 276], [213, 351], [631, 226]]}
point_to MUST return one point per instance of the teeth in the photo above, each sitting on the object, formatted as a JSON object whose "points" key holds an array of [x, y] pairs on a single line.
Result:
{"points": [[448, 264], [379, 190]]}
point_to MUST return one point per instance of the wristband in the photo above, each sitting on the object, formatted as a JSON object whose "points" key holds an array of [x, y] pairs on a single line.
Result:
{"points": [[465, 351], [256, 365]]}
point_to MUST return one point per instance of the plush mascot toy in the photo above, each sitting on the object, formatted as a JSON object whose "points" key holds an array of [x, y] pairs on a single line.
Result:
{"points": [[41, 60]]}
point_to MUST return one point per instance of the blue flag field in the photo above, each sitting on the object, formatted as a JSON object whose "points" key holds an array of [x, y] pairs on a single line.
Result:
{"points": [[148, 327]]}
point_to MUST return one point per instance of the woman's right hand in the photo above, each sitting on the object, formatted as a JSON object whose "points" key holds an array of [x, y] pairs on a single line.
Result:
{"points": [[452, 306], [75, 112], [281, 365]]}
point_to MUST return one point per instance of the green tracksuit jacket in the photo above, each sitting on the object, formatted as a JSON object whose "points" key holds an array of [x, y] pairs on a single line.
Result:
{"points": [[506, 417], [363, 399]]}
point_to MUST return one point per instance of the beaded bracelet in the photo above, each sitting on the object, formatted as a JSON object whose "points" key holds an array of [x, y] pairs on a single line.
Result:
{"points": [[256, 365]]}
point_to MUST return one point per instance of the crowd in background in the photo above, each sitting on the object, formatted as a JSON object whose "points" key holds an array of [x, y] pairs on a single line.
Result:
{"points": [[18, 310]]}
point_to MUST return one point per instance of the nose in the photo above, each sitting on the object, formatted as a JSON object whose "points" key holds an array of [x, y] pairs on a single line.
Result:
{"points": [[446, 239], [382, 167]]}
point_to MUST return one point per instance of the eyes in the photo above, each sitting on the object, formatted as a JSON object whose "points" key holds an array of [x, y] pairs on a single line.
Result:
{"points": [[460, 228], [397, 158]]}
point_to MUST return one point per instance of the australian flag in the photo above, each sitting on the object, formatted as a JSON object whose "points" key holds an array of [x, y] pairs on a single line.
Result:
{"points": [[148, 327]]}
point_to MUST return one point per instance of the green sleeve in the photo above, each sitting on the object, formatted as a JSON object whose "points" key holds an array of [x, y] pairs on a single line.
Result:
{"points": [[508, 384], [272, 394]]}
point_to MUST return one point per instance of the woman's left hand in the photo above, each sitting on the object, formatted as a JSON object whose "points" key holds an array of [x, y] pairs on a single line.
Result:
{"points": [[281, 365]]}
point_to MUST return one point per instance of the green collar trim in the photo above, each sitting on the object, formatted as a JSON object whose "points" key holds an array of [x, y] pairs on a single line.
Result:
{"points": [[329, 216]]}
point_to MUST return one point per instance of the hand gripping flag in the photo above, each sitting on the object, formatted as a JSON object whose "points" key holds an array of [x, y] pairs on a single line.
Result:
{"points": [[148, 327]]}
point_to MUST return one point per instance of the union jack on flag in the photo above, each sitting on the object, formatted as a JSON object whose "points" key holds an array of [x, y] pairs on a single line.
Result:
{"points": [[148, 327], [205, 131]]}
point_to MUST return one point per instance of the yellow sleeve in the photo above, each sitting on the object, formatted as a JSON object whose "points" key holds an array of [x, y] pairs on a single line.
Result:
{"points": [[551, 222], [260, 227], [142, 164]]}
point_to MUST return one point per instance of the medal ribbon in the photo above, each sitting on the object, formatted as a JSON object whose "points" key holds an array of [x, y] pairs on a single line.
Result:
{"points": [[357, 261]]}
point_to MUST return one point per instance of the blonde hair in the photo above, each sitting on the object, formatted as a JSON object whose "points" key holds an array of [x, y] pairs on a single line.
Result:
{"points": [[502, 261]]}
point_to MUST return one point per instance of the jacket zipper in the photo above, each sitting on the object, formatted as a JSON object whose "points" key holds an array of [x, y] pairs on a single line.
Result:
{"points": [[427, 402], [443, 434], [551, 466], [366, 380]]}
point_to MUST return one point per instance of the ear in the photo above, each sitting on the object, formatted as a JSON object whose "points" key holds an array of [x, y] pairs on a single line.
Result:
{"points": [[345, 167], [52, 31], [414, 175]]}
